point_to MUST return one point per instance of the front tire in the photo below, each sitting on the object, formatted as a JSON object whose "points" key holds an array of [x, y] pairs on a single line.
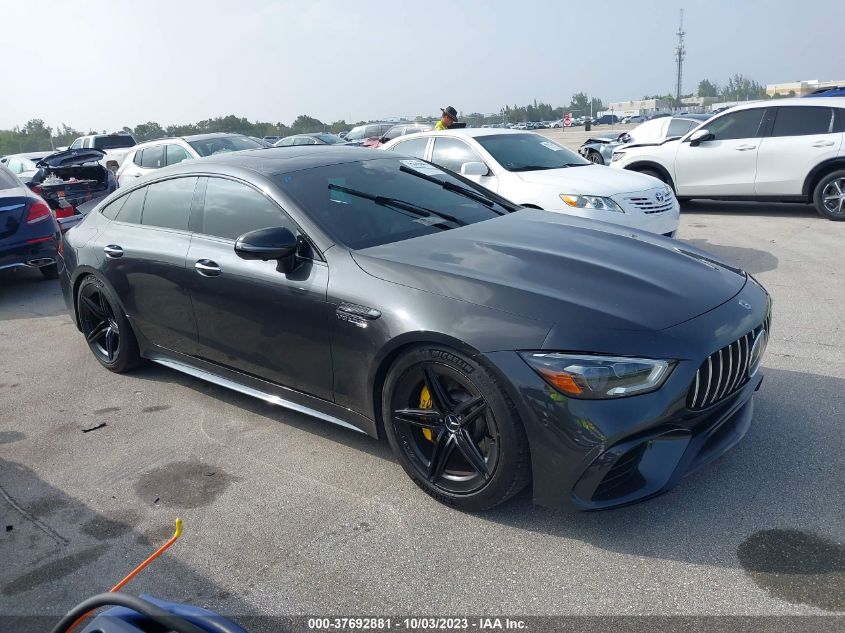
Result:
{"points": [[107, 330], [595, 157], [829, 196], [453, 429]]}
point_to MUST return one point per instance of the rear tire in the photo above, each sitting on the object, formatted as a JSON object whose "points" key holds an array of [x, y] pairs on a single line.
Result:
{"points": [[50, 272], [107, 330], [829, 196], [469, 422]]}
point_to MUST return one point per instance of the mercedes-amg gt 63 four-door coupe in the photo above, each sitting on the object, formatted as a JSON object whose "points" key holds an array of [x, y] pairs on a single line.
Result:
{"points": [[492, 345]]}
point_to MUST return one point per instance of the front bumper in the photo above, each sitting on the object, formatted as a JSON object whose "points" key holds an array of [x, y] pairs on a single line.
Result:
{"points": [[660, 223], [599, 454]]}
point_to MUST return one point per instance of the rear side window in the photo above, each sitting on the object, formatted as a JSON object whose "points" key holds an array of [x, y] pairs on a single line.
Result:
{"points": [[168, 203], [232, 209], [801, 121], [742, 124], [412, 147], [176, 154], [113, 142], [131, 210], [153, 157], [113, 208], [139, 156]]}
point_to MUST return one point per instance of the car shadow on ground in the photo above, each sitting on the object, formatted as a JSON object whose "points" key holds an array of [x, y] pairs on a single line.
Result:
{"points": [[754, 209], [24, 293], [58, 551]]}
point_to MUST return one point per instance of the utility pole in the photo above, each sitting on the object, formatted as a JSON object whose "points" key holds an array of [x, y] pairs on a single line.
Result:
{"points": [[680, 53]]}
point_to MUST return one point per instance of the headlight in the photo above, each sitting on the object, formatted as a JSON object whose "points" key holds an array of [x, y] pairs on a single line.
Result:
{"points": [[590, 202], [599, 377], [616, 156]]}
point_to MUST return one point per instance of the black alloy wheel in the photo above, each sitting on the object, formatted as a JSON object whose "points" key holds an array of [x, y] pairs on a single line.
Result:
{"points": [[453, 430], [106, 329]]}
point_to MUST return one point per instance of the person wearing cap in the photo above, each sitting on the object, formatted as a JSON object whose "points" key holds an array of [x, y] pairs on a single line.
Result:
{"points": [[450, 116]]}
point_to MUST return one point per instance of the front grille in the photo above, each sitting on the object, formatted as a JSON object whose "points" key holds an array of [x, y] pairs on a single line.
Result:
{"points": [[649, 205], [724, 372]]}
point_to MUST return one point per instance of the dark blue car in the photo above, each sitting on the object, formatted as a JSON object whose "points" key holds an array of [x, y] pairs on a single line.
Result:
{"points": [[29, 233]]}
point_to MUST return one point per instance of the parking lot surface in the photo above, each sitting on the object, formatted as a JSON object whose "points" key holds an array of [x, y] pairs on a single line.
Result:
{"points": [[289, 515]]}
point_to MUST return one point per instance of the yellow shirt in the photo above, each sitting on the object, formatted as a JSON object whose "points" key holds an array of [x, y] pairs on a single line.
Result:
{"points": [[440, 126]]}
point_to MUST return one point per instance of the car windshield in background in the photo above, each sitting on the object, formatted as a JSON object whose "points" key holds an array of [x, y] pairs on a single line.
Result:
{"points": [[224, 144], [113, 142], [373, 202], [529, 152], [328, 139]]}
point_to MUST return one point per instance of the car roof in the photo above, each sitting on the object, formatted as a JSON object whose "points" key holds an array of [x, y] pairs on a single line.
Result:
{"points": [[837, 102], [29, 155], [188, 139]]}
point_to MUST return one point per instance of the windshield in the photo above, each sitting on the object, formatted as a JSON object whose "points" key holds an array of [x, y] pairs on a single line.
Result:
{"points": [[373, 202], [528, 152], [328, 139], [224, 144], [113, 142]]}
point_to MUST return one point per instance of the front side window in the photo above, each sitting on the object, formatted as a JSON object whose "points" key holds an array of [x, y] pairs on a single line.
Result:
{"points": [[679, 127], [176, 154], [451, 153], [153, 157], [529, 152], [304, 140], [76, 144], [412, 147], [168, 203], [340, 199], [742, 124], [395, 132], [138, 157], [233, 208], [802, 121]]}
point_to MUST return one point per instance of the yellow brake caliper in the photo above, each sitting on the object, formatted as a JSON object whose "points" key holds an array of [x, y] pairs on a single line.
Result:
{"points": [[425, 403]]}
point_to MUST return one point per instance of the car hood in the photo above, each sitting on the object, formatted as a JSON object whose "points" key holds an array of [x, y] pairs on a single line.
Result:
{"points": [[595, 180], [71, 157], [601, 139], [555, 268]]}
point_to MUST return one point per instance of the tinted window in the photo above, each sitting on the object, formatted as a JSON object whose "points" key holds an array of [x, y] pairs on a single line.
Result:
{"points": [[679, 127], [529, 152], [451, 153], [113, 142], [360, 223], [113, 208], [131, 209], [800, 121], [153, 157], [412, 147], [223, 144], [232, 209], [742, 124], [168, 203], [138, 158], [176, 154]]}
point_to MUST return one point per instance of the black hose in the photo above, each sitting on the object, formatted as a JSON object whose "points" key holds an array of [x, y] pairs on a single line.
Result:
{"points": [[156, 614]]}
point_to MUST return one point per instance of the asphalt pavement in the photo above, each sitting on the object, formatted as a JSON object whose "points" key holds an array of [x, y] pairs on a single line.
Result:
{"points": [[289, 515]]}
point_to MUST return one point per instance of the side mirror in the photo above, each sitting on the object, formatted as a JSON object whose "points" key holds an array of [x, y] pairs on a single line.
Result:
{"points": [[474, 168], [276, 243], [700, 136]]}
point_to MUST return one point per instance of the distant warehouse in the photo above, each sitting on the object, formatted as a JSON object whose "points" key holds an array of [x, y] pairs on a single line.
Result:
{"points": [[800, 88]]}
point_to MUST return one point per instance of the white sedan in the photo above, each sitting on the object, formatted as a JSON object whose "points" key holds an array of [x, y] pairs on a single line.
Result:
{"points": [[534, 171]]}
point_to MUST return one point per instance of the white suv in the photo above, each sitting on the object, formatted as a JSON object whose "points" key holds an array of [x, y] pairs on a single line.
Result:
{"points": [[786, 150]]}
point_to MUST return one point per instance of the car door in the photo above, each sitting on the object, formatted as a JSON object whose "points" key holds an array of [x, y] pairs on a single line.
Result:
{"points": [[250, 317], [801, 137], [725, 165], [450, 152], [143, 259]]}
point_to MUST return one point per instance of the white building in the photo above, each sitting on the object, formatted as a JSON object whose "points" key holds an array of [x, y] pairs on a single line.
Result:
{"points": [[800, 88]]}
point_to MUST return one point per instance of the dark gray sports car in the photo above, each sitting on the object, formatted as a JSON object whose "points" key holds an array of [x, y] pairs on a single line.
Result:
{"points": [[492, 345]]}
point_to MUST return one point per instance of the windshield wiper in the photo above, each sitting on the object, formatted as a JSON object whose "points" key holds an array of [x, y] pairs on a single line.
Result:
{"points": [[410, 207], [450, 186]]}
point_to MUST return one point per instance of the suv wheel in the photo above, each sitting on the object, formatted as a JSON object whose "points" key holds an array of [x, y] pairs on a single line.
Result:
{"points": [[453, 429], [829, 196]]}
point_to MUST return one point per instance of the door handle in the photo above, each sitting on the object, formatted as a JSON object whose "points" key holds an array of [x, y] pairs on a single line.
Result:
{"points": [[744, 148], [822, 143], [113, 251], [207, 268]]}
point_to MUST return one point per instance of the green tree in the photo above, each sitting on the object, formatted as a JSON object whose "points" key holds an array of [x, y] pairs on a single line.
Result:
{"points": [[707, 88]]}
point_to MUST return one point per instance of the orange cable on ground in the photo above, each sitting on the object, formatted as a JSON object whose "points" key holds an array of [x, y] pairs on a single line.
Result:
{"points": [[138, 569]]}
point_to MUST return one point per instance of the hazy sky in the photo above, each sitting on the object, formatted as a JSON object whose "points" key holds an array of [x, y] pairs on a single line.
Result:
{"points": [[103, 65]]}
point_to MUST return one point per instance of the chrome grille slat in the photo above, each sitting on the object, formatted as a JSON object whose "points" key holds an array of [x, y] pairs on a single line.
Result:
{"points": [[730, 354], [719, 376], [709, 380]]}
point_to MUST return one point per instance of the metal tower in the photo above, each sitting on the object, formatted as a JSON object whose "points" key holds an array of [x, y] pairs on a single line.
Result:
{"points": [[680, 53]]}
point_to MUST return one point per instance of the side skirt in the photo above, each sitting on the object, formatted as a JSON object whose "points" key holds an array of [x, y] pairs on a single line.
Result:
{"points": [[264, 392]]}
